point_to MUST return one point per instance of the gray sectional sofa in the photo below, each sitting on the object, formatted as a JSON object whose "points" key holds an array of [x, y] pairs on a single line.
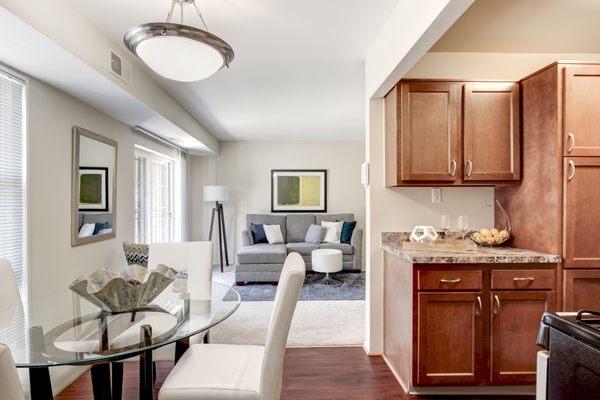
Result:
{"points": [[262, 262]]}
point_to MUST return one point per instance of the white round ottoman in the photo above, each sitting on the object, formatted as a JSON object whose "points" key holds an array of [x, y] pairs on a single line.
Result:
{"points": [[327, 261]]}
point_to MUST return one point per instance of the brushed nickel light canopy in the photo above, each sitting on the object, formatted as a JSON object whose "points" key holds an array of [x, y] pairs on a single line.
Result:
{"points": [[176, 51]]}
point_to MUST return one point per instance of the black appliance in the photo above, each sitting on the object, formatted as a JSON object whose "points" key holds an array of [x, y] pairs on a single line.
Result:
{"points": [[573, 363]]}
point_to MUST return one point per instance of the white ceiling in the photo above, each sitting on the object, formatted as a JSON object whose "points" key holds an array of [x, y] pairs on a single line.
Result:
{"points": [[298, 71]]}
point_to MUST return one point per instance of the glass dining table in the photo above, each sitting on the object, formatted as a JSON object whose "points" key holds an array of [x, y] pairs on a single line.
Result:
{"points": [[64, 329]]}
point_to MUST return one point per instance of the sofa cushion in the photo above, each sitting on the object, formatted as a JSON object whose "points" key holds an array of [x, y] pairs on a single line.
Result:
{"points": [[334, 217], [347, 230], [268, 219], [297, 225], [304, 249], [345, 248], [262, 253]]}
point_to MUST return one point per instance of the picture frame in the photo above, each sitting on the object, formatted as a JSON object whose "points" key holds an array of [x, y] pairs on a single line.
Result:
{"points": [[93, 189], [298, 190]]}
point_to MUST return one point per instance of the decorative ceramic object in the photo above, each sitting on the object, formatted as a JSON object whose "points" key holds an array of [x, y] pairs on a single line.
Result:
{"points": [[129, 291], [423, 233]]}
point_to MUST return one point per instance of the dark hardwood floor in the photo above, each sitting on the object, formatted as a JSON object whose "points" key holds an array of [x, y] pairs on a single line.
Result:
{"points": [[339, 373]]}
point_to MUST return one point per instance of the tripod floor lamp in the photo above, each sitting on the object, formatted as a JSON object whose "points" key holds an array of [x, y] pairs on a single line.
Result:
{"points": [[218, 194]]}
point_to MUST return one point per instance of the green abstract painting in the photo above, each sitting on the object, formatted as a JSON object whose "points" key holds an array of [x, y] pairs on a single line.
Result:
{"points": [[298, 190]]}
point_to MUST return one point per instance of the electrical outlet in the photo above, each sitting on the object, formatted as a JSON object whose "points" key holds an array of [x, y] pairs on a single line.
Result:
{"points": [[436, 195]]}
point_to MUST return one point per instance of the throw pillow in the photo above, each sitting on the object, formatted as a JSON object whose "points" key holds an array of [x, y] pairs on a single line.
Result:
{"points": [[347, 230], [333, 231], [273, 233], [136, 253], [258, 233], [315, 234], [86, 230], [100, 226]]}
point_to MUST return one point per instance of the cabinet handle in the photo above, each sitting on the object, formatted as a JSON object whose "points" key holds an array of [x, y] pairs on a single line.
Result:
{"points": [[527, 278], [479, 307], [497, 305], [452, 168], [469, 167], [571, 142], [450, 280], [571, 170]]}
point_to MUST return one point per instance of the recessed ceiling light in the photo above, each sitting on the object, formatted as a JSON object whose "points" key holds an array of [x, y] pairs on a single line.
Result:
{"points": [[177, 51]]}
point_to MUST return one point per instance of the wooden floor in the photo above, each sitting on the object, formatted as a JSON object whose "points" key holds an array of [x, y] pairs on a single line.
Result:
{"points": [[341, 373]]}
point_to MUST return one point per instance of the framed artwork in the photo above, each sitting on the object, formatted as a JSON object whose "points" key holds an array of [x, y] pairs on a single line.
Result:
{"points": [[93, 189], [298, 190]]}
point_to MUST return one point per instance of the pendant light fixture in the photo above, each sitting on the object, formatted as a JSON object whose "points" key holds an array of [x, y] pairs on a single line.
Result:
{"points": [[177, 51]]}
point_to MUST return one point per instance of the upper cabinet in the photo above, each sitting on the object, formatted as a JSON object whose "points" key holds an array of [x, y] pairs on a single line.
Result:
{"points": [[491, 131], [452, 133], [581, 105]]}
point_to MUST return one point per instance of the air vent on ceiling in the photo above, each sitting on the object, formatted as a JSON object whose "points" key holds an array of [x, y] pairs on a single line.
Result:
{"points": [[120, 67]]}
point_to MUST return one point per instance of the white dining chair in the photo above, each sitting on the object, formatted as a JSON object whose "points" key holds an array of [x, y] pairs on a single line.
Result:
{"points": [[241, 372], [193, 258], [10, 386]]}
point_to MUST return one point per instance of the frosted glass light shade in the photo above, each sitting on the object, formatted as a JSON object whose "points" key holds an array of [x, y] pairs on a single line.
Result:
{"points": [[178, 52], [179, 58], [216, 193]]}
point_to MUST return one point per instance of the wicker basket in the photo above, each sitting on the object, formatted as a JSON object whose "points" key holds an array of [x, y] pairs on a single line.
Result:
{"points": [[507, 228]]}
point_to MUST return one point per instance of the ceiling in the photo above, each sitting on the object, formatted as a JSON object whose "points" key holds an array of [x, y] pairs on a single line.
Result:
{"points": [[298, 71], [525, 26]]}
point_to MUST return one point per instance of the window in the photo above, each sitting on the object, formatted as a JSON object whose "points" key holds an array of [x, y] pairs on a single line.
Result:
{"points": [[154, 211], [12, 176]]}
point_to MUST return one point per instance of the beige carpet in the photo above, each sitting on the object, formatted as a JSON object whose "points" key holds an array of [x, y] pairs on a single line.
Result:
{"points": [[315, 323]]}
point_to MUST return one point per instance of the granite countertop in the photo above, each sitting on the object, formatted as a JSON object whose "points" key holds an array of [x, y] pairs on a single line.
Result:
{"points": [[392, 243]]}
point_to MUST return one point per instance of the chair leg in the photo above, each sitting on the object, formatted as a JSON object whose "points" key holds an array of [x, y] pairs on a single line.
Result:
{"points": [[117, 380]]}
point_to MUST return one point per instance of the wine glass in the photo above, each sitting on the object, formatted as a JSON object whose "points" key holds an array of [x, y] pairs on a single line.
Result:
{"points": [[445, 223], [463, 225]]}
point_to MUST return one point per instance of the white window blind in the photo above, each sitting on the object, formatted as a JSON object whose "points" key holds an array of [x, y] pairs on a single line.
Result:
{"points": [[12, 175]]}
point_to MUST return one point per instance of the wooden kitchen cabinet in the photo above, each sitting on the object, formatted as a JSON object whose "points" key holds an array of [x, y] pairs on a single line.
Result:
{"points": [[425, 137], [450, 338], [491, 131], [429, 131], [581, 290], [465, 324], [582, 212], [515, 319], [581, 125]]}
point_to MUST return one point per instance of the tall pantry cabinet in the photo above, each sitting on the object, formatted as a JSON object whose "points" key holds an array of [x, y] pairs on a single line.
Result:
{"points": [[556, 209]]}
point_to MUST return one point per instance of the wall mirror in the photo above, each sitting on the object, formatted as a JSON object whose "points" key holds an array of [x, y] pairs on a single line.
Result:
{"points": [[93, 189]]}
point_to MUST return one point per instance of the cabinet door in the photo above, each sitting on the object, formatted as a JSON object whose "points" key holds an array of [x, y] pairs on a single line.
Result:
{"points": [[429, 131], [581, 123], [450, 332], [582, 212], [491, 131], [581, 290], [515, 322]]}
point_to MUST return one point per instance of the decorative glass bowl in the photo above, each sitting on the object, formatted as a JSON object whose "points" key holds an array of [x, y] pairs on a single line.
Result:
{"points": [[129, 291]]}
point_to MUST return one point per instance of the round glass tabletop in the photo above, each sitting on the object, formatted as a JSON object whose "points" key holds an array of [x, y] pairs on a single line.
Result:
{"points": [[66, 329]]}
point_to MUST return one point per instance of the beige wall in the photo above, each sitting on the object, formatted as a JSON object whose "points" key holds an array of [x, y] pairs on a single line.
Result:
{"points": [[487, 66], [245, 167]]}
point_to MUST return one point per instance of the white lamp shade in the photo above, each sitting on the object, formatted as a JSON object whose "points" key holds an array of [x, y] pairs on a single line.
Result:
{"points": [[216, 193], [179, 58]]}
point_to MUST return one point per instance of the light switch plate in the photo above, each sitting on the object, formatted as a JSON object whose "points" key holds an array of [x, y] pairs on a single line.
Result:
{"points": [[436, 195]]}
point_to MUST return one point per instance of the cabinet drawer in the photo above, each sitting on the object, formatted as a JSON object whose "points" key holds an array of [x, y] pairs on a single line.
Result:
{"points": [[450, 280], [523, 279]]}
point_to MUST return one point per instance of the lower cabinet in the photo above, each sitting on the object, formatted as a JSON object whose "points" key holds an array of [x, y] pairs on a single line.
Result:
{"points": [[581, 289], [515, 320], [450, 338]]}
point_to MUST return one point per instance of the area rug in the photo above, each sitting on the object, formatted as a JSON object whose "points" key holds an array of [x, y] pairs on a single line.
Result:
{"points": [[315, 324], [351, 288]]}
